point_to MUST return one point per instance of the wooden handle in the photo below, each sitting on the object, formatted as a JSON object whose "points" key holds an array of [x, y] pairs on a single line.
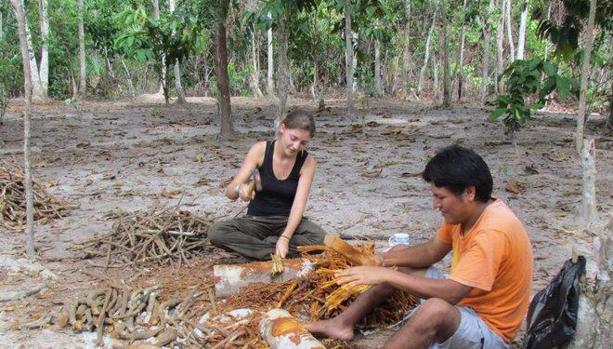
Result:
{"points": [[250, 188]]}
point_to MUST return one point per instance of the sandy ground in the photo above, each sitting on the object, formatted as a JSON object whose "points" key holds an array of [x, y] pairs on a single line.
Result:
{"points": [[136, 154]]}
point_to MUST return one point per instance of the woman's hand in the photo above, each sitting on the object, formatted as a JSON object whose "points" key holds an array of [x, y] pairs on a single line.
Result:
{"points": [[363, 275], [282, 246], [242, 193]]}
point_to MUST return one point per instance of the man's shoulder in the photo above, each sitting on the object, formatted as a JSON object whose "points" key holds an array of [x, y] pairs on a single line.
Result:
{"points": [[501, 217]]}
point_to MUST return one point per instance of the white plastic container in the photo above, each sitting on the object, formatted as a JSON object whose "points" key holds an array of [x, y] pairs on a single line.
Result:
{"points": [[399, 239]]}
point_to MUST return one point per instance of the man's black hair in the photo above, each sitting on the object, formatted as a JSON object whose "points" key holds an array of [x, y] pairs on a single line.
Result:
{"points": [[457, 168]]}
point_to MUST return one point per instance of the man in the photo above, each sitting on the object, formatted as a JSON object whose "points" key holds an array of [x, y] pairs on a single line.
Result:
{"points": [[486, 296]]}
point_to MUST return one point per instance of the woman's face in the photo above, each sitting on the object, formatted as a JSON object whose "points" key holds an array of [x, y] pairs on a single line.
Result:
{"points": [[293, 140]]}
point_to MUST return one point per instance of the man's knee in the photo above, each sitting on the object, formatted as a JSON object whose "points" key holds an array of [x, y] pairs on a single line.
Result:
{"points": [[436, 308], [383, 290]]}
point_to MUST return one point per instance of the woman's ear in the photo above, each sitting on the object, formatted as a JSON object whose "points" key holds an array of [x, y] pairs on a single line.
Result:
{"points": [[282, 128]]}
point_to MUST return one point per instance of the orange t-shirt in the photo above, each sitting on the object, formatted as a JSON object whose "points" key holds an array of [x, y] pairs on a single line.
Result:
{"points": [[495, 258]]}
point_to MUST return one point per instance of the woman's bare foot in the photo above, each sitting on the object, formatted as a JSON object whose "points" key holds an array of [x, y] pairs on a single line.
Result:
{"points": [[332, 328]]}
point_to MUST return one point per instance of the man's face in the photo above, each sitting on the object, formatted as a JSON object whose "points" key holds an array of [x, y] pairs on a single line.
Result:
{"points": [[453, 207]]}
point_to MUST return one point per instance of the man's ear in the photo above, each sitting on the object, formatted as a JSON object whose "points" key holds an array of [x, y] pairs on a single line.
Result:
{"points": [[470, 193]]}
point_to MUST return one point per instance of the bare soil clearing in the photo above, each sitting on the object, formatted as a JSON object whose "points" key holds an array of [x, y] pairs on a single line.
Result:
{"points": [[138, 154]]}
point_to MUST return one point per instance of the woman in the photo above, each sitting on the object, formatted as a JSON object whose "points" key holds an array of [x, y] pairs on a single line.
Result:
{"points": [[274, 222]]}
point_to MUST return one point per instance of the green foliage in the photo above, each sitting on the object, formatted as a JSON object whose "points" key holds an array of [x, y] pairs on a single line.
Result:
{"points": [[165, 40], [564, 32], [11, 76], [523, 81]]}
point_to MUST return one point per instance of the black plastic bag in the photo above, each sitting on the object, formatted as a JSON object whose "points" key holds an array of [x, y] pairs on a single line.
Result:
{"points": [[552, 316]]}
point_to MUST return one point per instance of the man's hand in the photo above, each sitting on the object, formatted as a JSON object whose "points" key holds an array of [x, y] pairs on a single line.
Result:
{"points": [[363, 275], [282, 246]]}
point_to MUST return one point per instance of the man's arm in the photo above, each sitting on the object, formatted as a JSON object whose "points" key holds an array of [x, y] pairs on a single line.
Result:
{"points": [[449, 290], [417, 257]]}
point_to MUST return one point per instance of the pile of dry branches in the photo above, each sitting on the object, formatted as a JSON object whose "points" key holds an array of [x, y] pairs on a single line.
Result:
{"points": [[160, 236], [136, 316], [13, 199]]}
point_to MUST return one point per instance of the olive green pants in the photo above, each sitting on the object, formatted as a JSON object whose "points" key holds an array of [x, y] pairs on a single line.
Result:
{"points": [[256, 236]]}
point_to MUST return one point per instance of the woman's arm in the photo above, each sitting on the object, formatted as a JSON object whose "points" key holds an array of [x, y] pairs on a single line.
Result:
{"points": [[254, 159], [299, 204]]}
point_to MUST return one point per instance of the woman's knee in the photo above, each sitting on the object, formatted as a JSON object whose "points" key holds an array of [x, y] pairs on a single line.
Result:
{"points": [[217, 232]]}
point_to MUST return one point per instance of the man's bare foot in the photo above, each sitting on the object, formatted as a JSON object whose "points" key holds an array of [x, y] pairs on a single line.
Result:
{"points": [[332, 328]]}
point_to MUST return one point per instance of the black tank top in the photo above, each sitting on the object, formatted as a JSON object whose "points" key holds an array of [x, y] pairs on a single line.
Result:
{"points": [[277, 196]]}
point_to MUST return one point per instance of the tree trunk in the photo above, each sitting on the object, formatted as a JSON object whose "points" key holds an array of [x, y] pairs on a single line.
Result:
{"points": [[406, 54], [445, 51], [500, 50], [44, 54], [378, 84], [348, 57], [436, 91], [27, 74], [610, 118], [270, 84], [521, 40], [459, 72], [283, 69], [37, 88], [422, 72], [585, 74], [82, 67], [223, 85], [163, 86], [177, 67], [128, 78], [507, 15], [595, 311], [485, 75], [255, 74]]}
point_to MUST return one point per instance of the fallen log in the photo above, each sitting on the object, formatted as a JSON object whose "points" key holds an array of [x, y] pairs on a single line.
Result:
{"points": [[283, 331], [230, 279]]}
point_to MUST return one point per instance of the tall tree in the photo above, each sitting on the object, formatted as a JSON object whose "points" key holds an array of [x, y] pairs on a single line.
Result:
{"points": [[378, 82], [82, 67], [20, 14], [44, 52], [508, 16], [585, 74], [163, 80], [500, 46], [270, 83], [223, 83], [347, 11], [406, 48], [38, 75], [486, 28], [177, 67], [254, 81], [422, 72], [283, 64], [445, 52], [521, 37], [459, 71]]}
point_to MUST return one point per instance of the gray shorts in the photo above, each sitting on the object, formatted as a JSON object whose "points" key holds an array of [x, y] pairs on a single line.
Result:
{"points": [[473, 332]]}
